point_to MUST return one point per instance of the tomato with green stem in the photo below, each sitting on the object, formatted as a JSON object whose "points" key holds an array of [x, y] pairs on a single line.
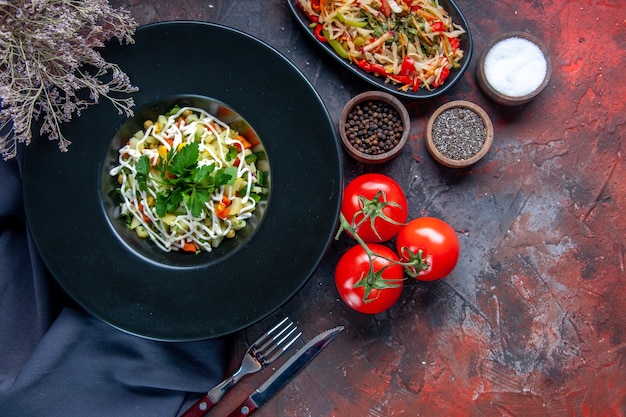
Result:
{"points": [[375, 206], [430, 245], [368, 278]]}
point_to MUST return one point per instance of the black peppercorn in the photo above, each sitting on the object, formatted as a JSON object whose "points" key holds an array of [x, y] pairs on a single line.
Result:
{"points": [[374, 127]]}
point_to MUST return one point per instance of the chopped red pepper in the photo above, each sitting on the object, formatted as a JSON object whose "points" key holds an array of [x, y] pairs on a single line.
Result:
{"points": [[416, 83], [402, 79], [318, 33], [408, 66], [385, 8], [311, 17], [369, 67], [406, 79], [408, 4], [455, 43], [438, 27], [445, 72]]}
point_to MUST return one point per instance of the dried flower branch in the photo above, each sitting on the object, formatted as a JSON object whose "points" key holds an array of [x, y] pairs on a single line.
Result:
{"points": [[50, 67]]}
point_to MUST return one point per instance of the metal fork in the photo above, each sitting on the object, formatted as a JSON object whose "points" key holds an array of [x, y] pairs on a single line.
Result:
{"points": [[262, 352]]}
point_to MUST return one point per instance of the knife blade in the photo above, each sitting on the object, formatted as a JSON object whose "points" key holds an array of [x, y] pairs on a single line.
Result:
{"points": [[286, 372]]}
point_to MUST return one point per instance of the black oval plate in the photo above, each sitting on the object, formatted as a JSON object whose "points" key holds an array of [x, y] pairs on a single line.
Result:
{"points": [[212, 296], [379, 82]]}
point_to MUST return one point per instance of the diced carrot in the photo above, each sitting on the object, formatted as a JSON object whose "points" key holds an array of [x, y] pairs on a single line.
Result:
{"points": [[224, 214], [190, 247], [244, 142], [143, 213], [222, 210]]}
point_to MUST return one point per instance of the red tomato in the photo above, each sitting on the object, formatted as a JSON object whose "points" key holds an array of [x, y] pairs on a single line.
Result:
{"points": [[364, 292], [360, 195], [438, 243]]}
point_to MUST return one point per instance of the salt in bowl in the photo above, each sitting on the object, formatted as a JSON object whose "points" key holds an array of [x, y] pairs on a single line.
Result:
{"points": [[514, 68]]}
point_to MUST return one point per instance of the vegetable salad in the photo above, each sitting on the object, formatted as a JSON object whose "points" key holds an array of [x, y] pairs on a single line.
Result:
{"points": [[188, 180], [411, 43]]}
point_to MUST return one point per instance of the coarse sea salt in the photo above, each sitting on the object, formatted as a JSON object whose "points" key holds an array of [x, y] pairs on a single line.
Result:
{"points": [[515, 67]]}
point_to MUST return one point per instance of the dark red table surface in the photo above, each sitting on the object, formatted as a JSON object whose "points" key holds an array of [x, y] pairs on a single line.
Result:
{"points": [[532, 320]]}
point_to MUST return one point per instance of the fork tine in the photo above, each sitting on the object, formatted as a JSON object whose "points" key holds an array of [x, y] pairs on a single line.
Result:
{"points": [[280, 336], [283, 348], [290, 326], [265, 336], [281, 341]]}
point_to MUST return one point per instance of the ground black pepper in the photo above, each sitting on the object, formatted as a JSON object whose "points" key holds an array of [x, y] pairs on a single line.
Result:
{"points": [[374, 127], [459, 133]]}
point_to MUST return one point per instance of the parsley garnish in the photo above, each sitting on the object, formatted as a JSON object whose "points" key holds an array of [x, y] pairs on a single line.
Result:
{"points": [[143, 169], [183, 180], [232, 154], [225, 176]]}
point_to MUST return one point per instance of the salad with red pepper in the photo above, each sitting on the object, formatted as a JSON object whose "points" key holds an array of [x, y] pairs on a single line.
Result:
{"points": [[411, 43]]}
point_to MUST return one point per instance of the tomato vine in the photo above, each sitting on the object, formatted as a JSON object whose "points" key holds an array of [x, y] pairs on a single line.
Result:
{"points": [[427, 248]]}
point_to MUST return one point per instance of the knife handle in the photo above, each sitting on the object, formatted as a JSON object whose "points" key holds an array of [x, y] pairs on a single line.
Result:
{"points": [[200, 408], [245, 409]]}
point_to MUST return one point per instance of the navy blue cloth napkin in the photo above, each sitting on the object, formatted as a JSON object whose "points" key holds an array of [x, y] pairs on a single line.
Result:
{"points": [[57, 360]]}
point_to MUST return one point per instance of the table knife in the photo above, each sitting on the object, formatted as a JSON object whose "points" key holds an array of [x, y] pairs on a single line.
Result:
{"points": [[286, 372]]}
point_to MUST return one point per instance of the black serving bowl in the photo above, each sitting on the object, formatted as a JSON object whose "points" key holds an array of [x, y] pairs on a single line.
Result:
{"points": [[110, 197]]}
